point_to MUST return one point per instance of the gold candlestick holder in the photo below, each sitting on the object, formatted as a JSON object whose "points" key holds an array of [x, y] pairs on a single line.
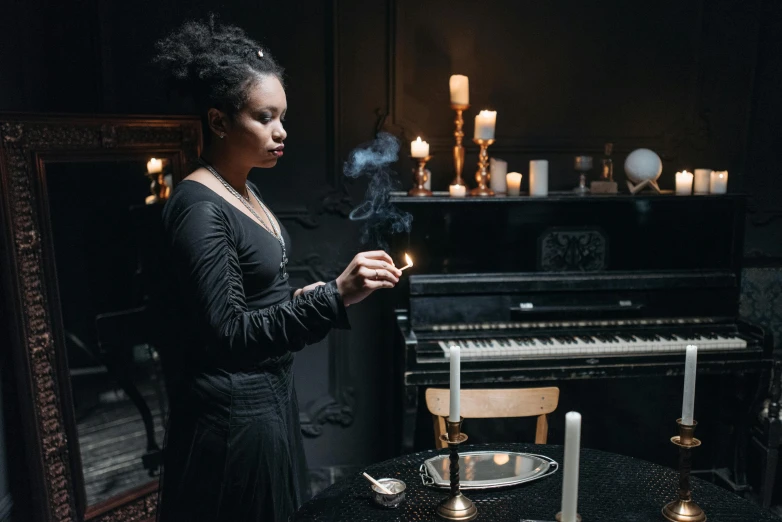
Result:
{"points": [[456, 506], [558, 518], [420, 178], [482, 175], [458, 149], [684, 509]]}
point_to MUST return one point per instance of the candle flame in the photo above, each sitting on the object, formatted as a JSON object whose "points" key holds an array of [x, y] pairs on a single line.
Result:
{"points": [[418, 140], [721, 175]]}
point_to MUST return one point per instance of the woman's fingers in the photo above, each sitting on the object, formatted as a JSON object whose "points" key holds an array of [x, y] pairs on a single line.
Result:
{"points": [[375, 285], [378, 254], [377, 263], [377, 274]]}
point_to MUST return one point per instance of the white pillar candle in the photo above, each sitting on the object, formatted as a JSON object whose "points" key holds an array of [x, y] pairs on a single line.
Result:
{"points": [[688, 401], [453, 412], [513, 180], [460, 89], [702, 181], [419, 149], [457, 191], [570, 472], [155, 166], [538, 178], [498, 169], [484, 125], [683, 183], [719, 182]]}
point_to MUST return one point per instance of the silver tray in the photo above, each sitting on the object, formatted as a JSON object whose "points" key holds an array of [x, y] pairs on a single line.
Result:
{"points": [[487, 469]]}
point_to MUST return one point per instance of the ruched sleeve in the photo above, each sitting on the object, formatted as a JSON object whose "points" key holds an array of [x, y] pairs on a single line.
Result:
{"points": [[207, 264]]}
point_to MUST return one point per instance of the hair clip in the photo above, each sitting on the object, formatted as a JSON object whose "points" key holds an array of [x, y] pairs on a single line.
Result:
{"points": [[260, 53]]}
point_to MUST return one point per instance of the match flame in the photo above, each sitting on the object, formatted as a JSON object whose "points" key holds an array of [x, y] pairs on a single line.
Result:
{"points": [[408, 260]]}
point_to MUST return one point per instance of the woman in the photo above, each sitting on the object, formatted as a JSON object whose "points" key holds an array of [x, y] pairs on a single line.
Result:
{"points": [[234, 449]]}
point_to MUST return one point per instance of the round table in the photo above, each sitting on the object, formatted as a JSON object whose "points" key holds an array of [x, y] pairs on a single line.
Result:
{"points": [[611, 488]]}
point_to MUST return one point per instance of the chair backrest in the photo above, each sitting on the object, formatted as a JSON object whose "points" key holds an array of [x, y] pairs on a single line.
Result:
{"points": [[494, 403]]}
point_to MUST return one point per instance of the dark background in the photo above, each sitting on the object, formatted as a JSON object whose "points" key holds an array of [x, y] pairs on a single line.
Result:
{"points": [[697, 81]]}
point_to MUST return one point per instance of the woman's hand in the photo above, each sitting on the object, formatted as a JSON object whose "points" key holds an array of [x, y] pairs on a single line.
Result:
{"points": [[367, 272], [307, 288]]}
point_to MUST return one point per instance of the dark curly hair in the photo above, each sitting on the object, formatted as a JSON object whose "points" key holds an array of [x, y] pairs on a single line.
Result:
{"points": [[214, 63]]}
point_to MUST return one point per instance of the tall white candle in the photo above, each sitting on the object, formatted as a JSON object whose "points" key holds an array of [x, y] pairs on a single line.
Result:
{"points": [[155, 166], [683, 183], [719, 182], [460, 89], [538, 178], [498, 170], [688, 401], [702, 181], [570, 472], [514, 183], [419, 149], [484, 124], [453, 413]]}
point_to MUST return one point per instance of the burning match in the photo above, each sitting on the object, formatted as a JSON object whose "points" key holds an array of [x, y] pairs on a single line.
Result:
{"points": [[409, 262]]}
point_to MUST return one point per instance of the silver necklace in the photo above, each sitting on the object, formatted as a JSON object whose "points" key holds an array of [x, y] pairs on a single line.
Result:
{"points": [[274, 232]]}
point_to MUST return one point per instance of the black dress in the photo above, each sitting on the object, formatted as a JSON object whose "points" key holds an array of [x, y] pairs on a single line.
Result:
{"points": [[233, 446]]}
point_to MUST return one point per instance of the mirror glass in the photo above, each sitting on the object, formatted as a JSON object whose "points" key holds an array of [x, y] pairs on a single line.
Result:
{"points": [[105, 233]]}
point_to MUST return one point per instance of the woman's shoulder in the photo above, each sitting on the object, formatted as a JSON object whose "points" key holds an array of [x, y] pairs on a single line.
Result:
{"points": [[189, 195]]}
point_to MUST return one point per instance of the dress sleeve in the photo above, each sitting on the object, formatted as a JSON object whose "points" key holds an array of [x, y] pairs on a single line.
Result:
{"points": [[206, 260]]}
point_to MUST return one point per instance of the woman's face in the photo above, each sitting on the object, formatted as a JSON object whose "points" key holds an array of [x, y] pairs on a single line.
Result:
{"points": [[256, 133]]}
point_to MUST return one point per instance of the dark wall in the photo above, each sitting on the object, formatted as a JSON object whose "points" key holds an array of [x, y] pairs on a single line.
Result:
{"points": [[695, 80]]}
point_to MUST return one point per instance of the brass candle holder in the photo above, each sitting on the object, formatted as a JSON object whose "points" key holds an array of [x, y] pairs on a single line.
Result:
{"points": [[684, 509], [420, 178], [482, 174], [456, 506], [558, 518], [458, 149]]}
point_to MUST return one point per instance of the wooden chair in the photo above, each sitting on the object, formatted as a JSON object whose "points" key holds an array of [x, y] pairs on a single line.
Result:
{"points": [[491, 403]]}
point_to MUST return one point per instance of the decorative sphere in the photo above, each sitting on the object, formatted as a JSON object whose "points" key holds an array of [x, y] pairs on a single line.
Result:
{"points": [[642, 165]]}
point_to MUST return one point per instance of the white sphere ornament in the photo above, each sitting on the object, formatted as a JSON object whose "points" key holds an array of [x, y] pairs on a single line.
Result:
{"points": [[643, 165]]}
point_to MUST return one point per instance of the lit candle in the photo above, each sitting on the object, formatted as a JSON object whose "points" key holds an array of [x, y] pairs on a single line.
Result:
{"points": [[155, 166], [570, 472], [460, 89], [498, 170], [514, 183], [484, 125], [419, 149], [538, 178], [457, 191], [683, 183], [702, 180], [719, 182], [453, 414], [688, 401]]}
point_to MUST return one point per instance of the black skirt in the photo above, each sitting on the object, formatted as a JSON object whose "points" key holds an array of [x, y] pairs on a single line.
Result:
{"points": [[234, 449]]}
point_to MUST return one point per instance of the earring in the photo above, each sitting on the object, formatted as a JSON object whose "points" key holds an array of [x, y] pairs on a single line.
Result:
{"points": [[222, 136]]}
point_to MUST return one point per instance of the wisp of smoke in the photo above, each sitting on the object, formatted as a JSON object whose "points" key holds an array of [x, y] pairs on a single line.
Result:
{"points": [[379, 216]]}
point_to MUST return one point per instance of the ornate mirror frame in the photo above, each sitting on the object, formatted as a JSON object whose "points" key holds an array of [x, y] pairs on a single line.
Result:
{"points": [[30, 283]]}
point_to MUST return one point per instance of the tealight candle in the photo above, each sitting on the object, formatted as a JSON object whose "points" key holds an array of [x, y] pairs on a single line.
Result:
{"points": [[683, 183], [155, 166], [719, 182], [457, 191], [702, 181], [484, 125], [460, 89], [419, 149], [538, 178], [513, 180]]}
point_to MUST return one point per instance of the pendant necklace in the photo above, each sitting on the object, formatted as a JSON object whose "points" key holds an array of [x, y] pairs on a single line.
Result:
{"points": [[275, 232]]}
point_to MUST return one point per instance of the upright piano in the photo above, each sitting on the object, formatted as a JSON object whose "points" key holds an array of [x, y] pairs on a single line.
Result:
{"points": [[570, 287]]}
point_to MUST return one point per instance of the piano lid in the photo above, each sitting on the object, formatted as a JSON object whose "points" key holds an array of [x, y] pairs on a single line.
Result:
{"points": [[569, 233]]}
